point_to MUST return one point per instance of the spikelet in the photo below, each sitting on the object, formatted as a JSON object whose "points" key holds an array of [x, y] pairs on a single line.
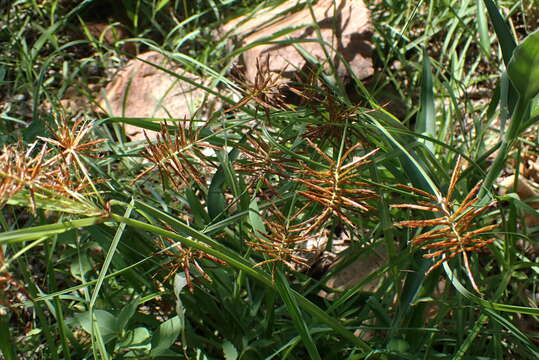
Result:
{"points": [[453, 231]]}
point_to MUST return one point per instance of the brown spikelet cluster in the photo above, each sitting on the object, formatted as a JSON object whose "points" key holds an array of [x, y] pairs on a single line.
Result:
{"points": [[337, 188], [261, 160], [280, 245], [184, 259], [178, 158], [282, 239], [53, 170], [266, 90], [19, 170], [454, 231], [71, 145], [335, 118]]}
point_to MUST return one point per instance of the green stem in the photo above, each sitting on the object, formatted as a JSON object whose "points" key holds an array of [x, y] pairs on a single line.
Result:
{"points": [[518, 118], [245, 266]]}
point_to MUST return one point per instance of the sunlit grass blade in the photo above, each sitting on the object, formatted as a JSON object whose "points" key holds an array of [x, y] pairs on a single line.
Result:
{"points": [[248, 268], [284, 290], [426, 119], [502, 29], [104, 268], [417, 174], [38, 232], [482, 26]]}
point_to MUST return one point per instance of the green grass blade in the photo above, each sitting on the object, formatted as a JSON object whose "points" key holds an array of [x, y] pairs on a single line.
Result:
{"points": [[95, 333], [284, 290], [62, 328], [47, 34], [479, 325], [415, 171], [482, 26], [247, 267], [514, 331], [7, 344], [37, 232], [110, 254], [503, 31], [485, 303], [426, 119]]}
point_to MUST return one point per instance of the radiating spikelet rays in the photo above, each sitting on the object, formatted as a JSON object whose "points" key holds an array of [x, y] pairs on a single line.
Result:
{"points": [[179, 158], [184, 259], [19, 170], [453, 230], [53, 172], [337, 188], [281, 241]]}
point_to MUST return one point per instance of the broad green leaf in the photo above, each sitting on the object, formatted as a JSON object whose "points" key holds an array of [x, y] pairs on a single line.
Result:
{"points": [[216, 197], [179, 283], [80, 266], [216, 202], [138, 338], [507, 43], [106, 323], [36, 128], [200, 215], [254, 218], [165, 336], [127, 313], [523, 69], [505, 115], [229, 351]]}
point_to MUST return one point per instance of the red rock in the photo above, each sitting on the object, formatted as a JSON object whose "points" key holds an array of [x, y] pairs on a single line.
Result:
{"points": [[142, 90], [344, 25]]}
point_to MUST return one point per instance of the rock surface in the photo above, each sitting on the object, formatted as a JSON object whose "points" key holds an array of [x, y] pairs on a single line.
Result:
{"points": [[373, 259], [144, 91], [344, 25]]}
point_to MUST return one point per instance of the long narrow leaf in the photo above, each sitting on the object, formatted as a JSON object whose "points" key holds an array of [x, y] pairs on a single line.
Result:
{"points": [[503, 31], [38, 232], [249, 269], [284, 290], [426, 119]]}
